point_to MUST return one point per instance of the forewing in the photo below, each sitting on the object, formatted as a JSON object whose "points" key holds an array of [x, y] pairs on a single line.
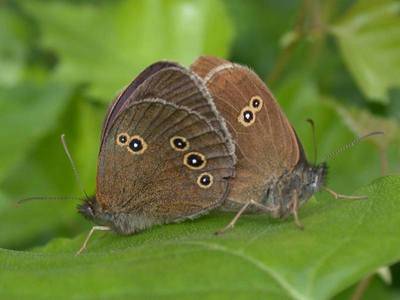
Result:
{"points": [[119, 102], [158, 183], [183, 87]]}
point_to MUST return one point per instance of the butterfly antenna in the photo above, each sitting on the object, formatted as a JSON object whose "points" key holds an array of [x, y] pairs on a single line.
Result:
{"points": [[353, 143], [48, 198], [314, 139], [77, 177]]}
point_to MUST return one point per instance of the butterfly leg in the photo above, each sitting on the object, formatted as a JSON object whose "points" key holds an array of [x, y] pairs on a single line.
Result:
{"points": [[343, 197], [232, 223], [295, 209], [94, 228]]}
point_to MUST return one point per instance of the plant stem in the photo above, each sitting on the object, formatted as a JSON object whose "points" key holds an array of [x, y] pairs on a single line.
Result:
{"points": [[361, 288]]}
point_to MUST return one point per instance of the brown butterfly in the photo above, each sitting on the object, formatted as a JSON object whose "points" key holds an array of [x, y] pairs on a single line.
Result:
{"points": [[165, 154], [273, 174]]}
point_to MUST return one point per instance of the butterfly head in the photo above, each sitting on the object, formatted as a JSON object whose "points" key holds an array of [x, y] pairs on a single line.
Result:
{"points": [[88, 208], [121, 222], [315, 177], [92, 211], [305, 181]]}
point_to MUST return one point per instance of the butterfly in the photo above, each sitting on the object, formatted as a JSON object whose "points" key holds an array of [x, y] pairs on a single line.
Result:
{"points": [[165, 154], [273, 174]]}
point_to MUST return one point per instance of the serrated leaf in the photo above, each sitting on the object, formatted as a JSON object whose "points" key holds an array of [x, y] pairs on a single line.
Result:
{"points": [[106, 44], [341, 242], [369, 39]]}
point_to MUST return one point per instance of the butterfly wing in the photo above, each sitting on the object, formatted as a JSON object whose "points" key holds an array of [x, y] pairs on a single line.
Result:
{"points": [[183, 87], [266, 144], [160, 163], [119, 102], [204, 64]]}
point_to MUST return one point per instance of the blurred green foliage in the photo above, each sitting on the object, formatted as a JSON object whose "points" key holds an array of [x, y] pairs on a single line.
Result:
{"points": [[62, 62]]}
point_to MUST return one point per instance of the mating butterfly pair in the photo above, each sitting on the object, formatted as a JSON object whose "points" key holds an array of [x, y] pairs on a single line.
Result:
{"points": [[180, 142]]}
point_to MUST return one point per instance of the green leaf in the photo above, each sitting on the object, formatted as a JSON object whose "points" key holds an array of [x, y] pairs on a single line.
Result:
{"points": [[3, 202], [15, 36], [256, 42], [27, 113], [108, 43], [36, 223], [361, 122], [369, 39], [259, 258]]}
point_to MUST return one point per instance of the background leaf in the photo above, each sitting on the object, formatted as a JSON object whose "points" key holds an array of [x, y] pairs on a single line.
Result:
{"points": [[362, 122], [125, 37], [14, 49], [257, 41], [369, 38], [21, 109]]}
